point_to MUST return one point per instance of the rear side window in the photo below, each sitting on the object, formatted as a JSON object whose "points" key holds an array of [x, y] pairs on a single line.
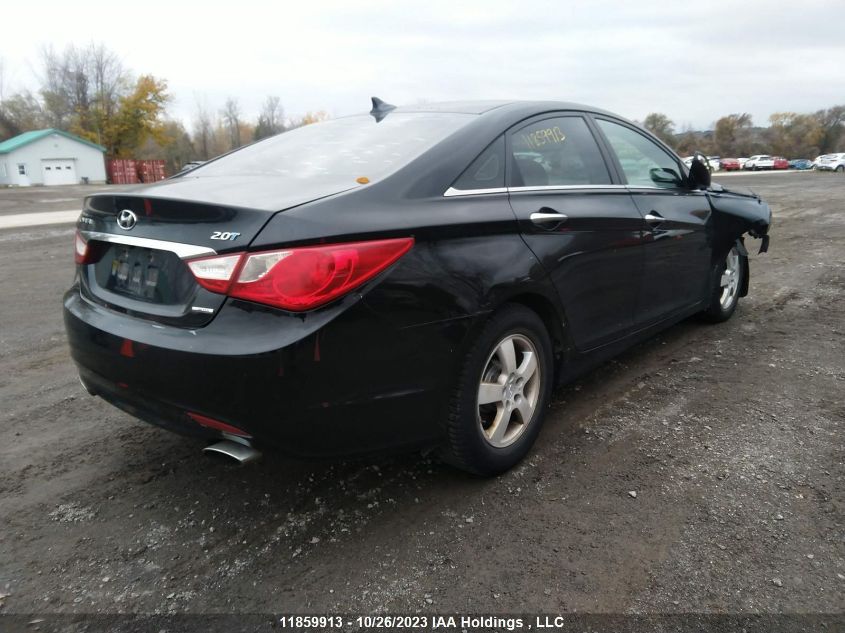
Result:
{"points": [[556, 152], [340, 149], [642, 160], [487, 171]]}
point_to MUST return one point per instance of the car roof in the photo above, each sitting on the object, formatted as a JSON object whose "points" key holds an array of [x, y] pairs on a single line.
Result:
{"points": [[514, 107]]}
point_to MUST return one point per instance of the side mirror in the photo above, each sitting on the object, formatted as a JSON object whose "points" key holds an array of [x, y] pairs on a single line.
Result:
{"points": [[699, 172], [664, 176]]}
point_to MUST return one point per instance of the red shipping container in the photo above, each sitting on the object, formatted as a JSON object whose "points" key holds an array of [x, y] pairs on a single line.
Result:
{"points": [[122, 171], [151, 170]]}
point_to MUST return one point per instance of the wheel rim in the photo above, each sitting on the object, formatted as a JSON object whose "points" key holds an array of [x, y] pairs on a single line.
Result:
{"points": [[509, 390], [730, 280]]}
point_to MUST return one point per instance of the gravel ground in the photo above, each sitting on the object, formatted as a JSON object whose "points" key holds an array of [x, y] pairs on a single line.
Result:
{"points": [[699, 472]]}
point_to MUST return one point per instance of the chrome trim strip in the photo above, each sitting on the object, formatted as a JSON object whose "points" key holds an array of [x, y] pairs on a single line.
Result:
{"points": [[564, 187], [182, 250], [451, 191], [669, 190]]}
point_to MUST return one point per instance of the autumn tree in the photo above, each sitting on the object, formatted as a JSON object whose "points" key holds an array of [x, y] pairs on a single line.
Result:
{"points": [[81, 88], [794, 135], [309, 117], [203, 132], [173, 145], [732, 135], [832, 123], [687, 142], [19, 113], [2, 80], [231, 114], [137, 117], [661, 126], [270, 121]]}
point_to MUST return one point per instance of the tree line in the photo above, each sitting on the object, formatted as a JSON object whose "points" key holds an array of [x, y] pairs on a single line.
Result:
{"points": [[789, 134], [87, 90]]}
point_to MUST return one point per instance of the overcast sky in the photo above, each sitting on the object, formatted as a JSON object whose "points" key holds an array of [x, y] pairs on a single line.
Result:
{"points": [[694, 61]]}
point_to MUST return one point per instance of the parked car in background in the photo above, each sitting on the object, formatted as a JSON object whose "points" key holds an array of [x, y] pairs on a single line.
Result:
{"points": [[730, 164], [760, 161], [801, 163], [831, 162], [425, 285], [779, 162], [715, 163], [742, 162], [191, 165]]}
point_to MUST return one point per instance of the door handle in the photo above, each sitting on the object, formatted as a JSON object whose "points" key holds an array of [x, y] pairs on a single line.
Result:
{"points": [[547, 216], [654, 218]]}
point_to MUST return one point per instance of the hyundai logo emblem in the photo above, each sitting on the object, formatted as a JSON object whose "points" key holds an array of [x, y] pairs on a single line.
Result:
{"points": [[126, 219]]}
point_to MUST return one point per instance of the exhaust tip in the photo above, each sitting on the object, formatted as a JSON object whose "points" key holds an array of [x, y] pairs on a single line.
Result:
{"points": [[88, 389], [239, 451]]}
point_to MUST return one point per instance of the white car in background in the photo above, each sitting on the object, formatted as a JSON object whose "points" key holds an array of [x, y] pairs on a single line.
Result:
{"points": [[760, 161], [831, 162], [742, 162], [715, 165]]}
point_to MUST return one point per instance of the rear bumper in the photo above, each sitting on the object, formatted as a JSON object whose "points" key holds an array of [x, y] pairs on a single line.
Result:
{"points": [[336, 382]]}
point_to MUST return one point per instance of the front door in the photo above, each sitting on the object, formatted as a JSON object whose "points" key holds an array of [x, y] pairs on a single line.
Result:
{"points": [[584, 229], [677, 250]]}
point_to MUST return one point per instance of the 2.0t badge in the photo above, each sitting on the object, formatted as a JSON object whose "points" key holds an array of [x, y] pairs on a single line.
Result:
{"points": [[126, 219]]}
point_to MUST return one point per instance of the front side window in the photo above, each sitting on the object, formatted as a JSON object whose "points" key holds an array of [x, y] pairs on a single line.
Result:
{"points": [[556, 152], [643, 161], [346, 148]]}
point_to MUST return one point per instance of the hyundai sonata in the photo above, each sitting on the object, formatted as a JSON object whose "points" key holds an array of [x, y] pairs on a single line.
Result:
{"points": [[417, 277]]}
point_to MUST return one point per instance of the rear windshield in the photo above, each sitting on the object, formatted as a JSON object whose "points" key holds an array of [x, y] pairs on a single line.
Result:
{"points": [[350, 147]]}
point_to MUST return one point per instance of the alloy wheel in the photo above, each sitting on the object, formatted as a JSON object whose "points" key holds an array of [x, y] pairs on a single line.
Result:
{"points": [[730, 280], [509, 390]]}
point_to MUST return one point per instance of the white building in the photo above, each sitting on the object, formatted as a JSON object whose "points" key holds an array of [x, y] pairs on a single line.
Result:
{"points": [[50, 157]]}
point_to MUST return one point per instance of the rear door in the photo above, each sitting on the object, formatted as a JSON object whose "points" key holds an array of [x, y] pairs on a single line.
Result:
{"points": [[582, 226], [677, 250]]}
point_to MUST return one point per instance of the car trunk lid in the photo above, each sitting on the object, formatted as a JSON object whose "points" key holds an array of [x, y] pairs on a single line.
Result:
{"points": [[144, 237], [141, 245]]}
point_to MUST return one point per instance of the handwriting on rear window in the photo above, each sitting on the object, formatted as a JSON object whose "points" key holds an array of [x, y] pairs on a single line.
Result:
{"points": [[546, 136]]}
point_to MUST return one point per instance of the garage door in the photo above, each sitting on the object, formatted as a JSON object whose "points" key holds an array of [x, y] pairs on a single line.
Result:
{"points": [[59, 172]]}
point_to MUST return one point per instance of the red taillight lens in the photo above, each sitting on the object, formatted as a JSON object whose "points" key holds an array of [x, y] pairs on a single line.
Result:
{"points": [[299, 279], [80, 249], [84, 252]]}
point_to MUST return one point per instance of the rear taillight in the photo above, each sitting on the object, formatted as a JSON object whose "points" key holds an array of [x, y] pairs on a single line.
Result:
{"points": [[215, 273], [298, 279], [84, 252], [80, 248]]}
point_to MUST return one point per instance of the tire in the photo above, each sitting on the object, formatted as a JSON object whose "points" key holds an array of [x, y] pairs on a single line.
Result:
{"points": [[728, 283], [840, 169], [489, 439]]}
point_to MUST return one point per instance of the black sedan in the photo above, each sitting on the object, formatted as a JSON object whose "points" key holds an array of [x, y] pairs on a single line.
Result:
{"points": [[411, 278]]}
